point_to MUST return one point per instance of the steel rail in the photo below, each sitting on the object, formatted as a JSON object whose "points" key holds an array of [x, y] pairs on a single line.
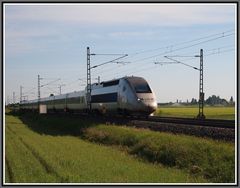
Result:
{"points": [[191, 121]]}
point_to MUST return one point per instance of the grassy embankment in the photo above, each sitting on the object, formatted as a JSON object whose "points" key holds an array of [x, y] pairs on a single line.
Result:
{"points": [[50, 149], [54, 146], [213, 160], [192, 111]]}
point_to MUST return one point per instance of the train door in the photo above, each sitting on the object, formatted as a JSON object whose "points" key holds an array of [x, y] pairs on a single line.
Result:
{"points": [[122, 93]]}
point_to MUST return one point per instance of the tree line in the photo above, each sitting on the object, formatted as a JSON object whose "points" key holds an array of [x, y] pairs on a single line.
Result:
{"points": [[215, 100]]}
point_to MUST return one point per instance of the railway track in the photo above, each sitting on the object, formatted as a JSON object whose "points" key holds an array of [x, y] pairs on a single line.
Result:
{"points": [[191, 121], [210, 128], [227, 134], [215, 129]]}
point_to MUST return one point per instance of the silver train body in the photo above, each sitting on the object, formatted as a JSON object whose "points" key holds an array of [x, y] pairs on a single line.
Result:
{"points": [[127, 95]]}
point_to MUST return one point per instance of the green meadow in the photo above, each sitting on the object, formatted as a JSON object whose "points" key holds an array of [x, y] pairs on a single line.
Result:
{"points": [[57, 149], [210, 112]]}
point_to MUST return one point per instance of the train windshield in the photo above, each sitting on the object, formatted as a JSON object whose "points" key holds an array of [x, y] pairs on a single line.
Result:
{"points": [[139, 84]]}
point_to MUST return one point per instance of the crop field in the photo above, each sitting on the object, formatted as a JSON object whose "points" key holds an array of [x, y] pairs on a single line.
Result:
{"points": [[227, 113], [69, 149]]}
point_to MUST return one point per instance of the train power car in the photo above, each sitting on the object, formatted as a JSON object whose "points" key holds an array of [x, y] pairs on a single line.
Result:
{"points": [[127, 95]]}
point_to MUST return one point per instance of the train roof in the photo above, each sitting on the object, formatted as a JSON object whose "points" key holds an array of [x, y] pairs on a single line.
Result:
{"points": [[62, 96], [135, 80], [116, 81]]}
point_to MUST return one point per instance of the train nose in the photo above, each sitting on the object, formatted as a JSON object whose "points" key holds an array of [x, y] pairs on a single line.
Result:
{"points": [[150, 105]]}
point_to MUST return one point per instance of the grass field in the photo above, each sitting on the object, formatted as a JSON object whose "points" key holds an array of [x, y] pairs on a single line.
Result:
{"points": [[191, 112], [70, 149], [201, 157], [32, 156]]}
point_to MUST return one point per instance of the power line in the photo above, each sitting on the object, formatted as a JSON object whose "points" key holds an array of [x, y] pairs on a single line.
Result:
{"points": [[50, 82], [107, 54], [112, 61], [185, 47], [157, 67], [146, 67], [171, 48], [181, 62], [51, 90], [29, 90], [220, 52], [222, 34], [221, 47], [181, 43]]}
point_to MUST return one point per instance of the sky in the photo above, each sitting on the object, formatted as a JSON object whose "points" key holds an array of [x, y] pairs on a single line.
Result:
{"points": [[50, 40]]}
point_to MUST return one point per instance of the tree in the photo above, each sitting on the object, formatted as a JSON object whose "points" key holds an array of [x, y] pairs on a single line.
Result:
{"points": [[216, 100], [194, 101]]}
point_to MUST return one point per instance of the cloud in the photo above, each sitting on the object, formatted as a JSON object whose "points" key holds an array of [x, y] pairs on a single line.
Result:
{"points": [[25, 40], [132, 34], [143, 14], [36, 27]]}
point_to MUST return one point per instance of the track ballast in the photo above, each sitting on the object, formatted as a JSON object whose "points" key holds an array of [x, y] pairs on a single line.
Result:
{"points": [[210, 128], [191, 121]]}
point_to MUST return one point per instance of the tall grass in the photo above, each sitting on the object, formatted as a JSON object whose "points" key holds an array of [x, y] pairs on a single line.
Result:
{"points": [[213, 160], [44, 150]]}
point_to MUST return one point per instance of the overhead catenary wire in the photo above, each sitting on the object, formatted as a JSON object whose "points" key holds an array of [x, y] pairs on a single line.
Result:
{"points": [[178, 49], [111, 61], [172, 47], [206, 50], [181, 43], [185, 47], [51, 90], [142, 69], [168, 49], [233, 49], [181, 63], [107, 54], [28, 91], [50, 82]]}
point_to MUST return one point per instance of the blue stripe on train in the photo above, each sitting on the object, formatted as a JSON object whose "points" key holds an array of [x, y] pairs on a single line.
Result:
{"points": [[109, 97]]}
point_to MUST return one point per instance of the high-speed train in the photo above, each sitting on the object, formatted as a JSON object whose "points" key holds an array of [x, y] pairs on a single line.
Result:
{"points": [[127, 95]]}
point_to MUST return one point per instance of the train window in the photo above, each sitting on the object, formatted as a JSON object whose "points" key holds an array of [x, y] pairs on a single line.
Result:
{"points": [[142, 88], [109, 97], [73, 100], [139, 85], [111, 83]]}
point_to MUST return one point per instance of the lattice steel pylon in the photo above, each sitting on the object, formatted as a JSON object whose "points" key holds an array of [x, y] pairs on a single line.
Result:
{"points": [[201, 93], [20, 99], [89, 89], [39, 92]]}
